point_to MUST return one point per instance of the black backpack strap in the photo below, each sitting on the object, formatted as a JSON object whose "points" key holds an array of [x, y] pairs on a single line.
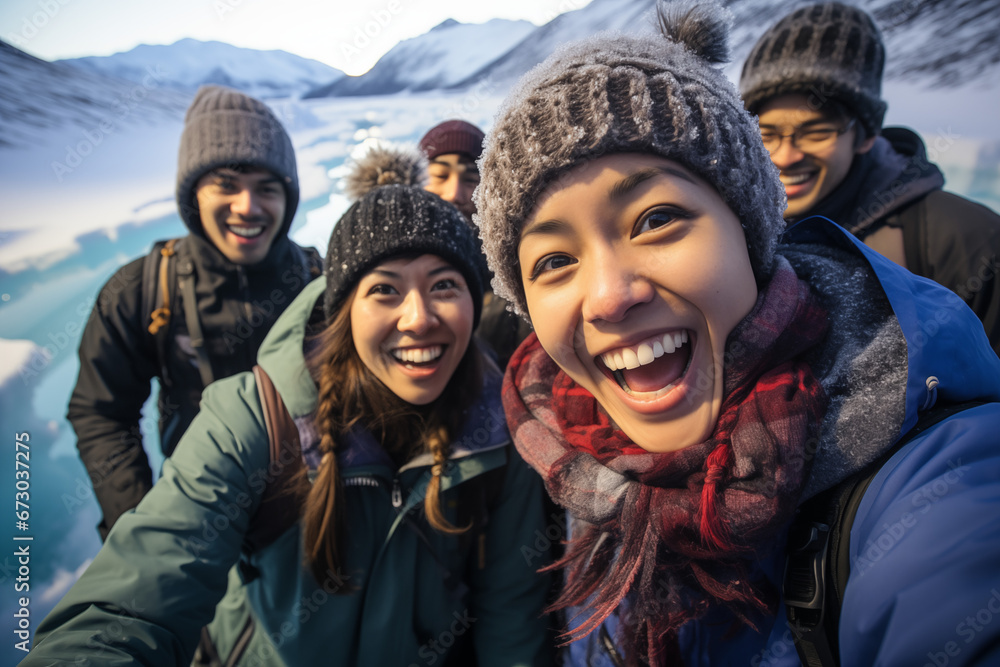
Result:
{"points": [[186, 279], [286, 482], [150, 282], [819, 560], [911, 220]]}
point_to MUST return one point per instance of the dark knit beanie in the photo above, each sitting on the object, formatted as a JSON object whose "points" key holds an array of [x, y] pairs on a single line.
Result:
{"points": [[225, 128], [453, 136], [396, 216], [661, 95], [826, 51]]}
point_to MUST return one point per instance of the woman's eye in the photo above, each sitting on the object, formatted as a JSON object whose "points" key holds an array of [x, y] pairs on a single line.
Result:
{"points": [[381, 288], [446, 284], [551, 263], [657, 218]]}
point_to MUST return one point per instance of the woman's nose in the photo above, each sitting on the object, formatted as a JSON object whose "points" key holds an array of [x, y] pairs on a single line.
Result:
{"points": [[416, 317], [614, 287]]}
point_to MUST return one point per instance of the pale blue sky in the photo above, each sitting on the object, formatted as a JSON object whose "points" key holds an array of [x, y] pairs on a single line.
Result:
{"points": [[347, 34]]}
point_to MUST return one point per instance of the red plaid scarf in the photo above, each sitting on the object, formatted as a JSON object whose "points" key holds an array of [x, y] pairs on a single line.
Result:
{"points": [[674, 530]]}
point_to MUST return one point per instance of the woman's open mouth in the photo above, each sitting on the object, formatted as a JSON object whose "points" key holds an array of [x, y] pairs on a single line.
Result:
{"points": [[653, 367], [418, 357]]}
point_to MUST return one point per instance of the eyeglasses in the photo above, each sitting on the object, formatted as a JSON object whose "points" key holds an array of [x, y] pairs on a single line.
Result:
{"points": [[804, 138]]}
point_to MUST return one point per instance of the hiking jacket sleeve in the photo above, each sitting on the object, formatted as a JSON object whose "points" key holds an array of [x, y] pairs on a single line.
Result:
{"points": [[924, 585], [117, 365], [157, 579], [956, 242]]}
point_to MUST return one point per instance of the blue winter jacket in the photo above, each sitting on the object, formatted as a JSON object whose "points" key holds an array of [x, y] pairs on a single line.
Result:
{"points": [[924, 584]]}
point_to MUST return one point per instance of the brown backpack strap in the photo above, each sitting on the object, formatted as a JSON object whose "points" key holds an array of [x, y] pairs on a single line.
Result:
{"points": [[161, 315], [286, 484]]}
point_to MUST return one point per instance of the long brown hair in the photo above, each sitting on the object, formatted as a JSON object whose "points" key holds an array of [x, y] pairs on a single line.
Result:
{"points": [[350, 395]]}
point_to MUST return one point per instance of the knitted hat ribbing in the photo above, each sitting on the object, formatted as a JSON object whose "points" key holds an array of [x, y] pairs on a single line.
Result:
{"points": [[826, 51], [453, 136], [397, 217], [225, 128], [615, 93]]}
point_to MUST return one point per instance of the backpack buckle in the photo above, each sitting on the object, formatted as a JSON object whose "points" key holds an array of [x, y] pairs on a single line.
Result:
{"points": [[804, 592]]}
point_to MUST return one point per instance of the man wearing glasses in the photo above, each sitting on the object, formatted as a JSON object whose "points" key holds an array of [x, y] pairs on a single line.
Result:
{"points": [[814, 80]]}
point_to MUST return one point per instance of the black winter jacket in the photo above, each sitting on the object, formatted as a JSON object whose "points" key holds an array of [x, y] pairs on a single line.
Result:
{"points": [[237, 304]]}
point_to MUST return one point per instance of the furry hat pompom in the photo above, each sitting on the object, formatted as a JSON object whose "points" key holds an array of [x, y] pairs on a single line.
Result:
{"points": [[385, 164], [392, 215]]}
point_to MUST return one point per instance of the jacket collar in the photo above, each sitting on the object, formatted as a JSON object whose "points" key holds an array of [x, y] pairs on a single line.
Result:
{"points": [[484, 429], [208, 258], [898, 344]]}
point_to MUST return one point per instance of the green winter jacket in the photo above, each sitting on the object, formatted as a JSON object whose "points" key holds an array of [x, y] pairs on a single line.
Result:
{"points": [[416, 594]]}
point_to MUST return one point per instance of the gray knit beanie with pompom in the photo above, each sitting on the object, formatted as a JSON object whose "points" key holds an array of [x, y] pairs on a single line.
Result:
{"points": [[614, 93], [394, 216]]}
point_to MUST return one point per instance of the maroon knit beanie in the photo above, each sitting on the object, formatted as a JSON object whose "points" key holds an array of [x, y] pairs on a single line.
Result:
{"points": [[453, 136]]}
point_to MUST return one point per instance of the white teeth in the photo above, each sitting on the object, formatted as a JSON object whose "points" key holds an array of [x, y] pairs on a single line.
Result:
{"points": [[246, 232], [795, 179], [418, 355], [645, 352]]}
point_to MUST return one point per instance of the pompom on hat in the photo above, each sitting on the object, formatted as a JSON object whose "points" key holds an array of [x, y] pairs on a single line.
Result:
{"points": [[825, 51], [662, 95], [393, 215], [225, 128]]}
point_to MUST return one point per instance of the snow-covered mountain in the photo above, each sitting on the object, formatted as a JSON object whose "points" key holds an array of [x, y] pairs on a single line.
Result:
{"points": [[38, 97], [939, 42], [189, 63], [440, 58], [629, 16]]}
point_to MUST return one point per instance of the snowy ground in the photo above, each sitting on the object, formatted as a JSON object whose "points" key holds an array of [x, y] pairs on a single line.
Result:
{"points": [[64, 230]]}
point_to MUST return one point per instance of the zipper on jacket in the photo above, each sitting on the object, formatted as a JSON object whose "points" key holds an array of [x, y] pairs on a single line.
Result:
{"points": [[397, 493], [609, 647], [362, 481]]}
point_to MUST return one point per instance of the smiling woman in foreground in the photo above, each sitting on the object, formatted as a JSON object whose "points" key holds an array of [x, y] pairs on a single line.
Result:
{"points": [[699, 372]]}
